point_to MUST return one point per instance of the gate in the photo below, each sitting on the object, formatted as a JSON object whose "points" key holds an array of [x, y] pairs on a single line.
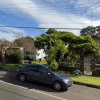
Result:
{"points": [[87, 66]]}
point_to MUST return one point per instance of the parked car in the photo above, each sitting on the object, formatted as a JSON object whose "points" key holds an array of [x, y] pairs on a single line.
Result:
{"points": [[41, 73]]}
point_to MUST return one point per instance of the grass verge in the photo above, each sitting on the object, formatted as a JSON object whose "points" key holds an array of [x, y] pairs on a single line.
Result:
{"points": [[13, 66], [89, 79]]}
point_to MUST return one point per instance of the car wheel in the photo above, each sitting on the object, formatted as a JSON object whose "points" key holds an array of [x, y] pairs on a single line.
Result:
{"points": [[22, 77], [57, 86]]}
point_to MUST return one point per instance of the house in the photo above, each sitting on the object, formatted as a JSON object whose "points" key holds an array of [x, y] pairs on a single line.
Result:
{"points": [[37, 54]]}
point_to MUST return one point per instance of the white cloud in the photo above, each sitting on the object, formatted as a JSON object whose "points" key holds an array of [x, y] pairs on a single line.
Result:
{"points": [[52, 16], [15, 30], [7, 36], [10, 34]]}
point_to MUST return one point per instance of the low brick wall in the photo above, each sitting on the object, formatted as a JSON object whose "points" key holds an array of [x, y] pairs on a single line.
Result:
{"points": [[96, 72]]}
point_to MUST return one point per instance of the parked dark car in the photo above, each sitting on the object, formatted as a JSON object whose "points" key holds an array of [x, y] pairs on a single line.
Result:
{"points": [[41, 73]]}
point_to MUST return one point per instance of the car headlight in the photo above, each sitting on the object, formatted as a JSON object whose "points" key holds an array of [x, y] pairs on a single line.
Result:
{"points": [[66, 81]]}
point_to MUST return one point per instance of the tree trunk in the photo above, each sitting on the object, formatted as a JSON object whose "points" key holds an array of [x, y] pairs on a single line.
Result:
{"points": [[61, 58], [3, 56]]}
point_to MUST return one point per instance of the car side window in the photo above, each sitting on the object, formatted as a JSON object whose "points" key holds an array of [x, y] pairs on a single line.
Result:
{"points": [[31, 67], [42, 70]]}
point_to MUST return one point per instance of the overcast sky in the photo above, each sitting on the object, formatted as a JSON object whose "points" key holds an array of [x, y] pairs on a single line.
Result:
{"points": [[46, 14]]}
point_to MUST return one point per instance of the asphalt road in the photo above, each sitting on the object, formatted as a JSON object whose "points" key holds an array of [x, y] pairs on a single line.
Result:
{"points": [[12, 89]]}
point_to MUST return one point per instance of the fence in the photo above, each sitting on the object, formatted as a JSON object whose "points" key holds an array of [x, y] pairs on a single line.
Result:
{"points": [[96, 71], [67, 66]]}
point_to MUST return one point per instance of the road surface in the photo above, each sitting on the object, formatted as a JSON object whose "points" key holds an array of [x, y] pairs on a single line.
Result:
{"points": [[12, 89]]}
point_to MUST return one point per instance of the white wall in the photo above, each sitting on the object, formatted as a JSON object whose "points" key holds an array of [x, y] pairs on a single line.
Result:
{"points": [[40, 54]]}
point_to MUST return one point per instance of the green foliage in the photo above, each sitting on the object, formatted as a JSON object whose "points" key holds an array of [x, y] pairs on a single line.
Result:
{"points": [[63, 45], [53, 65], [67, 37], [15, 57], [98, 56], [12, 66], [77, 72], [90, 30], [42, 40], [86, 46], [94, 32], [50, 31], [71, 57], [96, 37]]}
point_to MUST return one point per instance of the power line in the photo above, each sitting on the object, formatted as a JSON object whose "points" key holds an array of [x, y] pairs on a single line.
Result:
{"points": [[10, 31], [41, 28], [46, 9], [91, 15], [42, 11], [51, 2], [53, 6], [46, 12]]}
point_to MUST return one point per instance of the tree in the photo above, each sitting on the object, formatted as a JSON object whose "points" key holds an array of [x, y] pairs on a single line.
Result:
{"points": [[4, 45], [14, 56], [84, 46], [90, 30], [56, 48], [26, 42], [50, 31], [94, 32], [61, 43]]}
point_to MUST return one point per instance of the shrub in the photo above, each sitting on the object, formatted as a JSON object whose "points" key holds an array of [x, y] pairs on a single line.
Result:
{"points": [[53, 66], [49, 61], [27, 58], [77, 72], [15, 57]]}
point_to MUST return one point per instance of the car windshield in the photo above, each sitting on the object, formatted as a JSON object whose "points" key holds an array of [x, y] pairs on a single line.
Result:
{"points": [[57, 72]]}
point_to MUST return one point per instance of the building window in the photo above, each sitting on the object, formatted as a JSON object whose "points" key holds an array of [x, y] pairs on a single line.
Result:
{"points": [[38, 54]]}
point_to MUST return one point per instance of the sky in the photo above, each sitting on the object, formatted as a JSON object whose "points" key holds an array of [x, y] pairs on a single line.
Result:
{"points": [[70, 14]]}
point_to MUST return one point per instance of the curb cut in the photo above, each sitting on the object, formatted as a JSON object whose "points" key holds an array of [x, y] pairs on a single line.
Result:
{"points": [[86, 84]]}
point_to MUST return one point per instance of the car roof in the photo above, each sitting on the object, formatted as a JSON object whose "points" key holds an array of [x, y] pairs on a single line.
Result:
{"points": [[45, 65]]}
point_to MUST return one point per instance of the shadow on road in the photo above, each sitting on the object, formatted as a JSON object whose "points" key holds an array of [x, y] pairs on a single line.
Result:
{"points": [[10, 77]]}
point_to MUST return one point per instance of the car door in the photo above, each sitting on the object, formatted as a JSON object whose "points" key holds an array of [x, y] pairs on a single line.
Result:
{"points": [[45, 75], [32, 72]]}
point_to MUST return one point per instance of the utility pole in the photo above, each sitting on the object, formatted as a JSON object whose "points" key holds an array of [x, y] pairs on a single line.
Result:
{"points": [[91, 15]]}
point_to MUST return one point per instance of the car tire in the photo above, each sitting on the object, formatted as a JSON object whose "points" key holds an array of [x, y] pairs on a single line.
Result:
{"points": [[57, 85], [22, 77]]}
